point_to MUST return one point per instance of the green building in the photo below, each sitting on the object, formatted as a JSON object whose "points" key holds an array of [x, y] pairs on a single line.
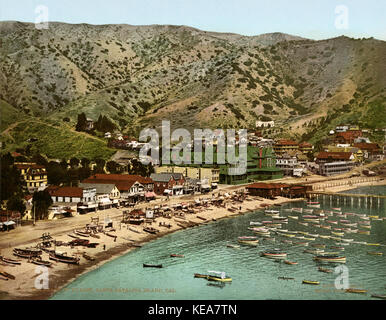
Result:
{"points": [[261, 165]]}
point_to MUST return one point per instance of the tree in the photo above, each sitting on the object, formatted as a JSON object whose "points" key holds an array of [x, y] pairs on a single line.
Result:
{"points": [[11, 181], [16, 203], [56, 174], [82, 122], [41, 202], [112, 167], [100, 164], [74, 162], [85, 162], [39, 159]]}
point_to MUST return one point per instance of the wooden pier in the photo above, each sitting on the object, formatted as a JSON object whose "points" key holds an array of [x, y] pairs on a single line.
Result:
{"points": [[349, 198]]}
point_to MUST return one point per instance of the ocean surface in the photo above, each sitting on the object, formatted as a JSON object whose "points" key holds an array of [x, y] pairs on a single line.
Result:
{"points": [[253, 277]]}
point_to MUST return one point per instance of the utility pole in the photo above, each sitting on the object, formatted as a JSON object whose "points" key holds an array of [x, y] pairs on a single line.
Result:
{"points": [[34, 205]]}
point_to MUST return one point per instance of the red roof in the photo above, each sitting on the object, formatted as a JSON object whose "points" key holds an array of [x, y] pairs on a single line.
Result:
{"points": [[29, 166], [349, 135], [305, 145], [68, 192], [285, 142], [127, 177], [334, 155], [367, 146], [259, 185], [121, 185]]}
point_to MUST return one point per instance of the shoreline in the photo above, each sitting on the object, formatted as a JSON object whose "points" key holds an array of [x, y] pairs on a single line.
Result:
{"points": [[62, 275]]}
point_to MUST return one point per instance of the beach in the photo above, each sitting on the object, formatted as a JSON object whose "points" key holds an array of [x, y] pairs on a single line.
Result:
{"points": [[60, 274]]}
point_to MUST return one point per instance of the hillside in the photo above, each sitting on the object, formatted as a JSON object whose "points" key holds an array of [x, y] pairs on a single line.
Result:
{"points": [[139, 75]]}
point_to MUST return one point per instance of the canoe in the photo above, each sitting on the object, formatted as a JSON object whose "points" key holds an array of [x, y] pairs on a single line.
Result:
{"points": [[64, 258], [234, 246], [87, 257], [198, 275], [375, 253], [379, 296], [41, 262], [310, 282], [10, 261], [353, 290], [145, 265], [174, 255], [325, 270], [290, 262], [7, 275], [219, 279], [274, 255], [334, 258], [286, 278]]}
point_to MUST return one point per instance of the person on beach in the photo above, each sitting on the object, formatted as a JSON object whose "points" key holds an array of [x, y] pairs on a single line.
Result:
{"points": [[104, 247]]}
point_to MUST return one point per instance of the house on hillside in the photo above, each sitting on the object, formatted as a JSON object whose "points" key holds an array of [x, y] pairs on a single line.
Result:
{"points": [[35, 175]]}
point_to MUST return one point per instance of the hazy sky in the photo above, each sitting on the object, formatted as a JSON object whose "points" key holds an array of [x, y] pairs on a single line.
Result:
{"points": [[316, 19]]}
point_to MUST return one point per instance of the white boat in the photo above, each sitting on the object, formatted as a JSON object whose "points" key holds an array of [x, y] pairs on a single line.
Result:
{"points": [[313, 205], [293, 217], [255, 223]]}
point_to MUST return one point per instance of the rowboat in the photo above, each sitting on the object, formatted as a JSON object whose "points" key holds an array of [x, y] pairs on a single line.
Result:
{"points": [[303, 223], [313, 202], [325, 270], [62, 257], [10, 261], [27, 253], [248, 240], [234, 246], [87, 257], [301, 244], [255, 223], [290, 262], [332, 258], [379, 296], [150, 230], [364, 232], [317, 251], [310, 282], [293, 217], [41, 262], [309, 239], [145, 265], [134, 230], [325, 227], [173, 255], [313, 205], [219, 276], [7, 275], [318, 245], [353, 290], [375, 253], [324, 237], [347, 240], [373, 244], [274, 254], [286, 278], [340, 234]]}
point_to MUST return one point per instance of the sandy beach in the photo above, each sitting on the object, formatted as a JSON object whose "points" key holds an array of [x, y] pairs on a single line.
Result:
{"points": [[60, 274]]}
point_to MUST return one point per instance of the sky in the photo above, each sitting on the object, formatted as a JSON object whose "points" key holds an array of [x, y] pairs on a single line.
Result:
{"points": [[314, 19]]}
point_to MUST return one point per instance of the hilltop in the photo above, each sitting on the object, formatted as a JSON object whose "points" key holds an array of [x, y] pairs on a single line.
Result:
{"points": [[139, 75]]}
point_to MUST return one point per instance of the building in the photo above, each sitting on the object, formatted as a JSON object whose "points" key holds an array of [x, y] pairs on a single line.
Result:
{"points": [[357, 152], [168, 183], [35, 175], [146, 182], [212, 175], [289, 165], [272, 190], [306, 148], [325, 157], [265, 124], [107, 194], [334, 168], [73, 195], [347, 137], [371, 151], [284, 146], [89, 124]]}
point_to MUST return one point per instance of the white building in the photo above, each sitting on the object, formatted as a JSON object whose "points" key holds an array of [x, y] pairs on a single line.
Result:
{"points": [[265, 124]]}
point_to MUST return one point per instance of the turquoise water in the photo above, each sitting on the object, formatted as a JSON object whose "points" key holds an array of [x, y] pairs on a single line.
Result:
{"points": [[254, 277]]}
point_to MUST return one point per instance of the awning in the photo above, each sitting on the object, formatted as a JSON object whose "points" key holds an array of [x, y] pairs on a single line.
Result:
{"points": [[91, 205], [167, 191], [82, 207], [9, 223]]}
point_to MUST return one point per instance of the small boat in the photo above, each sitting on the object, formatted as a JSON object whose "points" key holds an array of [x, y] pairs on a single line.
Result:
{"points": [[173, 255], [373, 244], [41, 262], [311, 282], [255, 223], [340, 234], [64, 258], [276, 253], [218, 276], [318, 245], [145, 265], [7, 275], [379, 296], [321, 269], [198, 275], [317, 251], [248, 240], [151, 230], [95, 236], [110, 235], [293, 217], [375, 253], [313, 205], [134, 230], [87, 257], [290, 262], [234, 246], [286, 278], [73, 236], [332, 258], [353, 290], [10, 261]]}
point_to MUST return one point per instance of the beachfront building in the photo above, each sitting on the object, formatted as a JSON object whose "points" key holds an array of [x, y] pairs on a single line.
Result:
{"points": [[334, 168], [371, 151], [73, 195], [107, 194], [289, 165], [284, 146], [168, 183], [347, 137], [272, 190], [211, 175], [357, 152], [35, 175], [306, 148], [325, 157]]}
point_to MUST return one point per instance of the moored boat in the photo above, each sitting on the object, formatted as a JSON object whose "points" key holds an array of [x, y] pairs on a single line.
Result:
{"points": [[146, 265], [275, 253], [353, 290], [248, 240], [321, 269], [219, 276], [290, 262], [174, 255], [310, 282], [331, 258], [375, 253]]}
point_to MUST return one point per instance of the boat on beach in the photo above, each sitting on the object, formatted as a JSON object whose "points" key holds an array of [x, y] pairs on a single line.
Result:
{"points": [[63, 257], [151, 230], [10, 261]]}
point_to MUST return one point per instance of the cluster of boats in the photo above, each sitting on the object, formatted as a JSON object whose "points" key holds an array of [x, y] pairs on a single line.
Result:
{"points": [[314, 217]]}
